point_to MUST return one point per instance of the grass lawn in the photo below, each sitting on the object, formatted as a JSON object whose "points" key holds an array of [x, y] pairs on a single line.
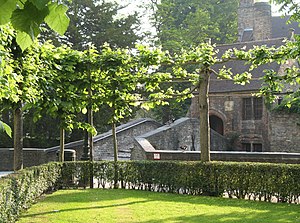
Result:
{"points": [[105, 206]]}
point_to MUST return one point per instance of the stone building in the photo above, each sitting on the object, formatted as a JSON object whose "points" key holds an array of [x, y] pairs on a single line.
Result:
{"points": [[234, 110]]}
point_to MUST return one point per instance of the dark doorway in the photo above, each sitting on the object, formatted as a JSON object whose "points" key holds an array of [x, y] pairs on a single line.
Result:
{"points": [[216, 124]]}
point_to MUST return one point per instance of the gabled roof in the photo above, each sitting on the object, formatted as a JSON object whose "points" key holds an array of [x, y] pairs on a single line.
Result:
{"points": [[222, 86]]}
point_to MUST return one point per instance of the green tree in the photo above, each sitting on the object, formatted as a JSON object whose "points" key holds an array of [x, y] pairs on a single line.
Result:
{"points": [[19, 13], [8, 90], [183, 24], [122, 73], [64, 85], [284, 84], [19, 80], [186, 24], [98, 22]]}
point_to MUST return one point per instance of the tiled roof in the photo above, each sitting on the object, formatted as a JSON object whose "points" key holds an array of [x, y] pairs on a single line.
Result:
{"points": [[280, 28], [220, 86]]}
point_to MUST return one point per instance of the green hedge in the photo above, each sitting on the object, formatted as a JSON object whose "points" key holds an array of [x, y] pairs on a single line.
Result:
{"points": [[19, 190], [258, 181]]}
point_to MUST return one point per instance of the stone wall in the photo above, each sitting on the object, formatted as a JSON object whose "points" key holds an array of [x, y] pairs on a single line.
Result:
{"points": [[229, 109], [276, 131], [144, 150], [103, 145], [284, 132], [7, 159], [31, 157], [183, 134]]}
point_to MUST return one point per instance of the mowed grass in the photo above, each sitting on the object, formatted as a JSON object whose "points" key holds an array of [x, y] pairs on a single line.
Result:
{"points": [[105, 206]]}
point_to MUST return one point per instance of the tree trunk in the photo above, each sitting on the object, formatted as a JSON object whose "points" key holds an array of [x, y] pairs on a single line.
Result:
{"points": [[62, 145], [18, 138], [114, 135], [90, 121], [166, 114], [204, 117], [91, 146], [86, 149], [115, 142]]}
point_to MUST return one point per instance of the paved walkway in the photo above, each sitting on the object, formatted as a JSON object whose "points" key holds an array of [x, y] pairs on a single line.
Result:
{"points": [[4, 173]]}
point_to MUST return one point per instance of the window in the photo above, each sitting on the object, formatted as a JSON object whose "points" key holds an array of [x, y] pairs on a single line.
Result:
{"points": [[252, 147], [252, 108], [246, 147], [257, 147], [257, 108]]}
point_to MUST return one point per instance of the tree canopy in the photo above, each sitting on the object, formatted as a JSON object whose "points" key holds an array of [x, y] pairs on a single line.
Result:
{"points": [[97, 22], [183, 24]]}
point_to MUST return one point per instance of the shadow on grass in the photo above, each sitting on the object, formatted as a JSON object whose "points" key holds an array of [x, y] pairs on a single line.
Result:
{"points": [[82, 209], [232, 217], [254, 211], [90, 195]]}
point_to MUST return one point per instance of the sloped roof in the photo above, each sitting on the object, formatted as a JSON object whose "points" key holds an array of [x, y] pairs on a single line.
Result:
{"points": [[222, 86], [280, 28]]}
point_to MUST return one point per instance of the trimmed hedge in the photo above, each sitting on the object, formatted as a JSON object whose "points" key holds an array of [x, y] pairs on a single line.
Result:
{"points": [[257, 181], [19, 190]]}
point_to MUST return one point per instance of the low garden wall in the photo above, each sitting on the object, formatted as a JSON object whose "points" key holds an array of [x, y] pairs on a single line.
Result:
{"points": [[144, 150], [256, 181]]}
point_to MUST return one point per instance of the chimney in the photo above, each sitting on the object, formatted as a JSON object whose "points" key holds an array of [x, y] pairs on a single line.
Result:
{"points": [[244, 3], [245, 17], [292, 35], [262, 21]]}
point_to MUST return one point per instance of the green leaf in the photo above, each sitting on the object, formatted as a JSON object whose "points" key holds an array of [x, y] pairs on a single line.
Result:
{"points": [[23, 40], [84, 111], [7, 8], [28, 19], [57, 18], [4, 127], [40, 4]]}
